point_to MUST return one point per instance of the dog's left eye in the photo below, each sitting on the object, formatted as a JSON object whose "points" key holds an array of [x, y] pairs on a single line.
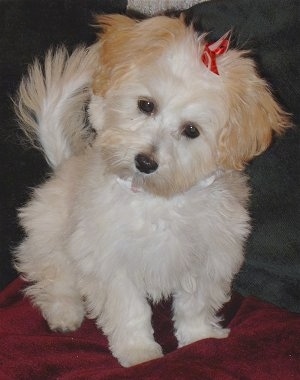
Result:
{"points": [[190, 130], [146, 106]]}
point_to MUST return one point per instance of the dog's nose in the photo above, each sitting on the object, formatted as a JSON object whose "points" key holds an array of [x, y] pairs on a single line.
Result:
{"points": [[145, 163]]}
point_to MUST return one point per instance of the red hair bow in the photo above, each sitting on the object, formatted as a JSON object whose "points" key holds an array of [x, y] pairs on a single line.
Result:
{"points": [[213, 50]]}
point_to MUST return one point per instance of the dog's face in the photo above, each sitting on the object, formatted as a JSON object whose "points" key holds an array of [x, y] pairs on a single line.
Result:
{"points": [[166, 121]]}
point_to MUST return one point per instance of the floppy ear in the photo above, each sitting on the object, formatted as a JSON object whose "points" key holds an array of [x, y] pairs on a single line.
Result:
{"points": [[114, 33], [254, 115], [126, 44]]}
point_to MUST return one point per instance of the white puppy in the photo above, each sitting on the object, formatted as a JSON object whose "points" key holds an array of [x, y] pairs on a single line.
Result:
{"points": [[155, 205]]}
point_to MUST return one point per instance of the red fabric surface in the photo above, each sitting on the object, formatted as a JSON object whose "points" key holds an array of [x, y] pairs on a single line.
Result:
{"points": [[264, 344]]}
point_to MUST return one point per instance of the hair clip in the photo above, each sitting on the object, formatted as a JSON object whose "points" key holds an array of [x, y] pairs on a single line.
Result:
{"points": [[213, 50]]}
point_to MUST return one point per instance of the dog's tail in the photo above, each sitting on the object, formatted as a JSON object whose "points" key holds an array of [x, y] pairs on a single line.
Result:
{"points": [[51, 102]]}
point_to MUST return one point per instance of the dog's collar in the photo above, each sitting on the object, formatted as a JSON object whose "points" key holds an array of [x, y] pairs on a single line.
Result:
{"points": [[210, 179], [127, 184]]}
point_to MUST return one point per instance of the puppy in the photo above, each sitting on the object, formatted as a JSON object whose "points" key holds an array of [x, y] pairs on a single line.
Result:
{"points": [[155, 205]]}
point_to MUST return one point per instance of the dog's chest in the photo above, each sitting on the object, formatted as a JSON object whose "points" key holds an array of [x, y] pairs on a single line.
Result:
{"points": [[154, 239], [157, 222], [162, 244], [158, 242], [157, 217]]}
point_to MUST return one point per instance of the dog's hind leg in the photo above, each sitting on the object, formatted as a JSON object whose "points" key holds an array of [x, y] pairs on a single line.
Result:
{"points": [[52, 285], [58, 300], [43, 262]]}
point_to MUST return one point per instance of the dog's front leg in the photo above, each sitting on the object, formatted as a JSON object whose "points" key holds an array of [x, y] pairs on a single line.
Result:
{"points": [[126, 320], [194, 317]]}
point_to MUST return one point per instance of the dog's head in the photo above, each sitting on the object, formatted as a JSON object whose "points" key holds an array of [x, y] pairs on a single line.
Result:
{"points": [[164, 119]]}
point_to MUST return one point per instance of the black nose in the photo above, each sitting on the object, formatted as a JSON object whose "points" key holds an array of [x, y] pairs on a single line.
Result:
{"points": [[145, 163]]}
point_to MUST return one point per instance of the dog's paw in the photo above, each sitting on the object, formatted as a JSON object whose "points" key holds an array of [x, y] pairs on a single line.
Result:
{"points": [[189, 335], [63, 315], [140, 353]]}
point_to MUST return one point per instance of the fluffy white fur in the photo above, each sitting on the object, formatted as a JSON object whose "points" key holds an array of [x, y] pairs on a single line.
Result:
{"points": [[103, 237]]}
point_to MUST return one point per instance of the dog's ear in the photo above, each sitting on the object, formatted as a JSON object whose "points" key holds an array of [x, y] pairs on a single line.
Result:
{"points": [[114, 33], [254, 115], [126, 44]]}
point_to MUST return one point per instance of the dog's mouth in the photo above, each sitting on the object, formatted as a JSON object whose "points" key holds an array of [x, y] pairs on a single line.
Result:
{"points": [[132, 184], [137, 182], [145, 183]]}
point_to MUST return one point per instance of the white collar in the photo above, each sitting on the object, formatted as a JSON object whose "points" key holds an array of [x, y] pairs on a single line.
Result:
{"points": [[127, 184], [209, 180]]}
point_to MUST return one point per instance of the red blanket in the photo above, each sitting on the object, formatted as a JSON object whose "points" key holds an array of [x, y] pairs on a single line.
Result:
{"points": [[264, 344]]}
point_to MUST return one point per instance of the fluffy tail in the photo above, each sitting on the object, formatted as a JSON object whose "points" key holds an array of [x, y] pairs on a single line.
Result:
{"points": [[51, 102]]}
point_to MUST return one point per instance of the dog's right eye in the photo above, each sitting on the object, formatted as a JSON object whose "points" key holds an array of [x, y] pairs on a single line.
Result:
{"points": [[147, 106], [190, 131]]}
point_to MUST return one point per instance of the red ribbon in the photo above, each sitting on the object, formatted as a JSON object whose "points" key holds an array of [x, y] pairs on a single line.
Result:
{"points": [[213, 50]]}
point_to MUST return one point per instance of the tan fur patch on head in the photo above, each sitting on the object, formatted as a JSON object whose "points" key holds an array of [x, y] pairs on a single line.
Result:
{"points": [[254, 115], [125, 43]]}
